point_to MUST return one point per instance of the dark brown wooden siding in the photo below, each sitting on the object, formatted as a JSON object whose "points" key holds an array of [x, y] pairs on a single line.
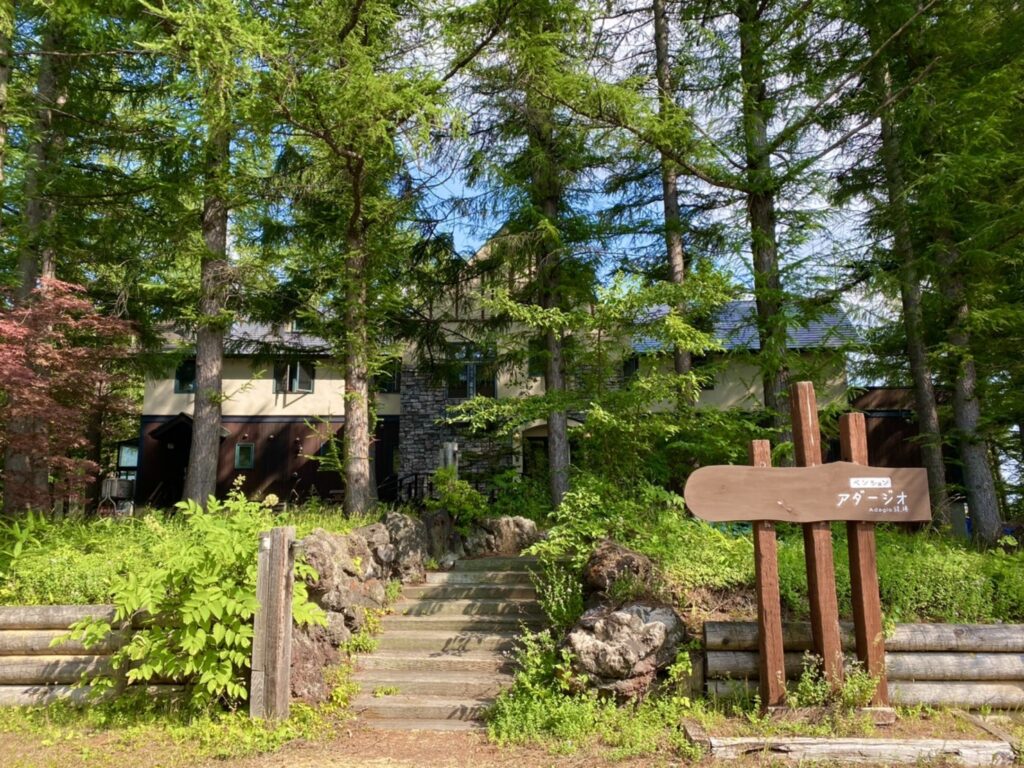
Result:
{"points": [[282, 462]]}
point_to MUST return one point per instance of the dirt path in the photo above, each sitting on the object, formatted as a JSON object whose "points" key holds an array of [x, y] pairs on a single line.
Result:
{"points": [[354, 747]]}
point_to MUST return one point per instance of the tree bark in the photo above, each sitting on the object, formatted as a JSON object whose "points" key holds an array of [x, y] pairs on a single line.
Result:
{"points": [[674, 248], [910, 296], [27, 476], [548, 273], [203, 460], [760, 198], [980, 487], [37, 256], [359, 487], [5, 79]]}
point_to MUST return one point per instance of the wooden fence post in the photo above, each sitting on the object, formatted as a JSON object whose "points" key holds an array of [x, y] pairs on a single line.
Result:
{"points": [[867, 604], [270, 690], [769, 607], [821, 576]]}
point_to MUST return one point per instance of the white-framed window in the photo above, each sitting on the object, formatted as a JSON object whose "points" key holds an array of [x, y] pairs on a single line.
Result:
{"points": [[294, 376]]}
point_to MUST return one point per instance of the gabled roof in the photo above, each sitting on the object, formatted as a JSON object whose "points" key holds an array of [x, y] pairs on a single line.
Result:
{"points": [[247, 338], [250, 338], [735, 326]]}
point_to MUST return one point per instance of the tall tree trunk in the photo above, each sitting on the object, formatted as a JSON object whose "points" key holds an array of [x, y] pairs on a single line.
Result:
{"points": [[549, 274], [910, 296], [6, 24], [26, 474], [980, 487], [674, 249], [760, 198], [37, 257], [203, 460], [359, 488]]}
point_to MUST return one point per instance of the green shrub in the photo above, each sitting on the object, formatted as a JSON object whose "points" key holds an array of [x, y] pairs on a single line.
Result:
{"points": [[462, 501], [545, 705], [560, 592], [196, 607], [517, 495]]}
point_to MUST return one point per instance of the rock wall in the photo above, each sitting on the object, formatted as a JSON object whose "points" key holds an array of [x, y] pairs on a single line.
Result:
{"points": [[421, 436], [352, 575]]}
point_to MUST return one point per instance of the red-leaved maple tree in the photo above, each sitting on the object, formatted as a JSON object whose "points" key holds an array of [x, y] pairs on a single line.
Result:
{"points": [[56, 366]]}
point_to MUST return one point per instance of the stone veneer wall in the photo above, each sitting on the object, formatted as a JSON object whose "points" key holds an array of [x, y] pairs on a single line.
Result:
{"points": [[424, 403]]}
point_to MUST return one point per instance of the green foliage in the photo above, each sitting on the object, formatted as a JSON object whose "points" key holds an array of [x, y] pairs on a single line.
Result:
{"points": [[544, 706], [813, 690], [196, 608], [923, 576], [79, 561], [560, 592], [523, 496], [461, 500]]}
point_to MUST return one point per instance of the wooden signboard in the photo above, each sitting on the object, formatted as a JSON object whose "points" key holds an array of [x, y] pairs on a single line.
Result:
{"points": [[813, 495], [837, 491]]}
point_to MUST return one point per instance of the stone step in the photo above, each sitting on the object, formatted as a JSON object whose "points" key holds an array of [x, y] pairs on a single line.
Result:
{"points": [[458, 623], [445, 642], [389, 724], [455, 607], [479, 578], [493, 564], [467, 663], [470, 685], [419, 707], [469, 592]]}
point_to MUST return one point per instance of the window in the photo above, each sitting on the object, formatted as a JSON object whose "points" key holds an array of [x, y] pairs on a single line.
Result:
{"points": [[185, 376], [389, 380], [245, 455], [128, 457], [294, 376], [472, 372]]}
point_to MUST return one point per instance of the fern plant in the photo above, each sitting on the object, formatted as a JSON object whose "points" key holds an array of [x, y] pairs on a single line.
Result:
{"points": [[193, 610]]}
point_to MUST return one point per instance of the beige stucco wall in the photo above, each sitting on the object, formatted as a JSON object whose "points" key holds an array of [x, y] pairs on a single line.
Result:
{"points": [[249, 391]]}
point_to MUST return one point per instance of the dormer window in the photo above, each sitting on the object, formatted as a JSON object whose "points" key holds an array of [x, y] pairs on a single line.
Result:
{"points": [[296, 326], [294, 377], [185, 377]]}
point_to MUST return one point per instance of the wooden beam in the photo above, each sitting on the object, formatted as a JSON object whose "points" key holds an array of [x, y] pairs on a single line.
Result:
{"points": [[821, 577], [769, 605], [270, 690], [868, 750], [867, 604], [909, 638]]}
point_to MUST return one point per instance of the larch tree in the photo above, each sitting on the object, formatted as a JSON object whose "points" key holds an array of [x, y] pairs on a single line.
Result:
{"points": [[533, 153], [356, 106], [213, 47]]}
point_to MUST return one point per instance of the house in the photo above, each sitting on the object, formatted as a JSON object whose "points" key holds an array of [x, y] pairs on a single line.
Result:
{"points": [[284, 402]]}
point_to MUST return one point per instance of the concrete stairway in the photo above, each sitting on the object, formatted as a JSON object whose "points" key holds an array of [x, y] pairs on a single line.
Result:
{"points": [[442, 656]]}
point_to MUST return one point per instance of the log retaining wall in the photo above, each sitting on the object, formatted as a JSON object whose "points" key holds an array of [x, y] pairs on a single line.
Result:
{"points": [[953, 665], [34, 671]]}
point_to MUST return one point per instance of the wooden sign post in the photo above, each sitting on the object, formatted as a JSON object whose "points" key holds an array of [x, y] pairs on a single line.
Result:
{"points": [[818, 557], [769, 604], [814, 494], [860, 535]]}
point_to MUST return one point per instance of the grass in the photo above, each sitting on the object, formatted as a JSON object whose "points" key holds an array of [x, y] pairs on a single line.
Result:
{"points": [[138, 723], [76, 561]]}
